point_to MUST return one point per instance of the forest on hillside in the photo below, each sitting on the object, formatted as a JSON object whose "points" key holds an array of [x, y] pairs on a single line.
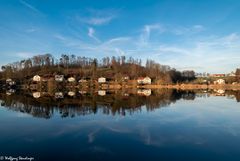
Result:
{"points": [[80, 66]]}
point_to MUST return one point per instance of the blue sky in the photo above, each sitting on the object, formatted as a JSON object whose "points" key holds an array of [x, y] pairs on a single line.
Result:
{"points": [[185, 34]]}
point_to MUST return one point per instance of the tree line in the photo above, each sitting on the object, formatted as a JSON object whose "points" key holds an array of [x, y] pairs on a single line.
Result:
{"points": [[114, 67]]}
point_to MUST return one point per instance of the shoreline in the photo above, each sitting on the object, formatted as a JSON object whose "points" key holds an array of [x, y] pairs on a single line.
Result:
{"points": [[195, 86]]}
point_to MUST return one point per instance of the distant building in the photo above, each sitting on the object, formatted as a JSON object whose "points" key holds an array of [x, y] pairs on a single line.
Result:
{"points": [[144, 92], [71, 79], [232, 74], [59, 78], [144, 80], [101, 80], [217, 75], [219, 81], [36, 78]]}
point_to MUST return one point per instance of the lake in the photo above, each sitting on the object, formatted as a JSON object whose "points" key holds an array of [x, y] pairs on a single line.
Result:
{"points": [[119, 125]]}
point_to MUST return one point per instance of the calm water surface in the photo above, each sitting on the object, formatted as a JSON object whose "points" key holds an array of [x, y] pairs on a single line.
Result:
{"points": [[167, 125]]}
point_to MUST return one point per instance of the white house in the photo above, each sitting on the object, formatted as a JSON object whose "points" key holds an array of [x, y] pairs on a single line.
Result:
{"points": [[71, 79], [219, 81], [144, 80], [59, 78], [101, 93], [36, 94], [144, 92], [101, 80], [37, 78]]}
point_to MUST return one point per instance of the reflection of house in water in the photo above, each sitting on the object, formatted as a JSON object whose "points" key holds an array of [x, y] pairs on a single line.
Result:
{"points": [[125, 78], [144, 80], [59, 78], [36, 94], [82, 92], [219, 92], [113, 103], [71, 79], [101, 92], [10, 82], [144, 92], [10, 92], [82, 80], [71, 93], [59, 95], [36, 78]]}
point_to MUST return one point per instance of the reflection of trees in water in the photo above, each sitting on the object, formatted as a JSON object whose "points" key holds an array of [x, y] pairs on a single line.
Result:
{"points": [[115, 103], [234, 93]]}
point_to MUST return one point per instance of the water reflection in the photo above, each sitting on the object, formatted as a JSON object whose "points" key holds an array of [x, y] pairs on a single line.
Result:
{"points": [[73, 103]]}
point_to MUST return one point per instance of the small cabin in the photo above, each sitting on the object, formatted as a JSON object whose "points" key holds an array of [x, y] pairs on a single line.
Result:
{"points": [[101, 80], [71, 79], [36, 78], [219, 81], [144, 80], [59, 78]]}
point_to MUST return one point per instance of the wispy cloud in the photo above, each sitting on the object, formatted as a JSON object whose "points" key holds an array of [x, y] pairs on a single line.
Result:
{"points": [[97, 17], [24, 55], [91, 33], [29, 6], [99, 20], [31, 30], [182, 30], [146, 32]]}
